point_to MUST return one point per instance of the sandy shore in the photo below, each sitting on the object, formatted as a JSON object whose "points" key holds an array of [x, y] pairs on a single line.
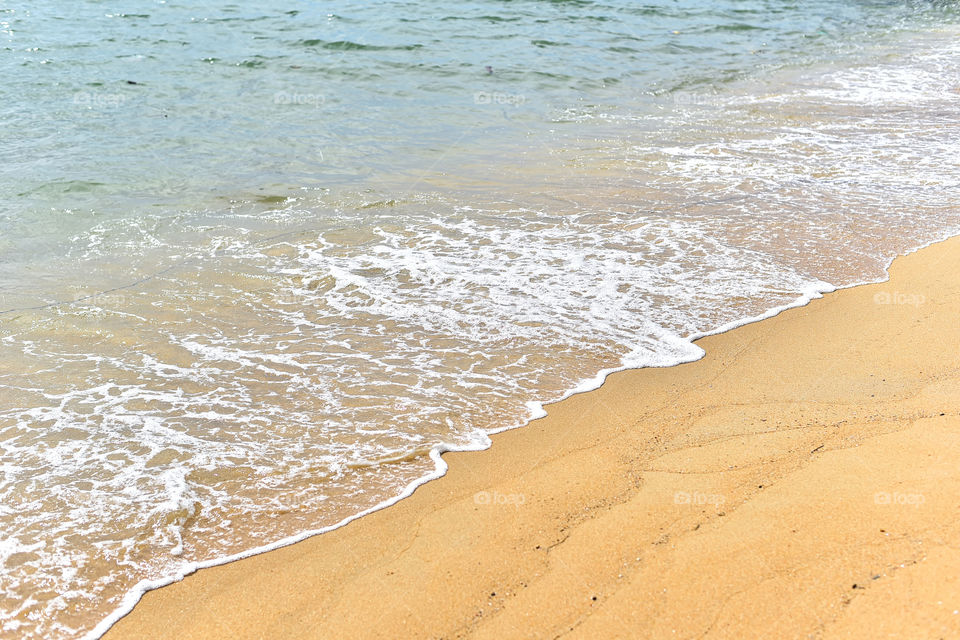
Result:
{"points": [[802, 480]]}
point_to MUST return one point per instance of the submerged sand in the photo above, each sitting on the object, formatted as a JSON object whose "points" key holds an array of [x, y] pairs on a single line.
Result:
{"points": [[801, 480]]}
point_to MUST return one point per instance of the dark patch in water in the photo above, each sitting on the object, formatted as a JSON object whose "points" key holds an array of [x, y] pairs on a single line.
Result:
{"points": [[548, 43], [494, 19], [70, 186], [346, 45], [379, 204], [271, 199], [727, 28]]}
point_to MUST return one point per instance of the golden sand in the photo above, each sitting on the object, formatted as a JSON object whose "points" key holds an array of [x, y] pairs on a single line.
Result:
{"points": [[801, 480]]}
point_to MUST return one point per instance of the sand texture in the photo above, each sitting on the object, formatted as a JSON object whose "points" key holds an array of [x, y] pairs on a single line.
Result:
{"points": [[802, 480]]}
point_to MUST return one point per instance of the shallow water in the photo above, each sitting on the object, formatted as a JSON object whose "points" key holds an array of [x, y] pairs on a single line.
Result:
{"points": [[248, 295]]}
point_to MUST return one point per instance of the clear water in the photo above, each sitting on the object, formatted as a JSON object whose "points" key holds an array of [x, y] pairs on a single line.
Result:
{"points": [[245, 296]]}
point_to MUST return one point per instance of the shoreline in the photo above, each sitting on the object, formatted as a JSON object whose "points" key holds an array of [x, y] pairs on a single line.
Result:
{"points": [[429, 495]]}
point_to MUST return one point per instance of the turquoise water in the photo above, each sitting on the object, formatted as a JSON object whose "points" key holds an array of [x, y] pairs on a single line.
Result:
{"points": [[234, 100], [257, 264]]}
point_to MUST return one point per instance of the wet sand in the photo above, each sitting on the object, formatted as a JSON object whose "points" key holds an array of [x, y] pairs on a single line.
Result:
{"points": [[801, 480]]}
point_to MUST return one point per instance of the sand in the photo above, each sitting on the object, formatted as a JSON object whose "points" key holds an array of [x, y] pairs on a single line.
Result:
{"points": [[801, 480]]}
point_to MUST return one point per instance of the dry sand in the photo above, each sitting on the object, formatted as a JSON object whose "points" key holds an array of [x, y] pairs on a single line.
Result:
{"points": [[802, 480]]}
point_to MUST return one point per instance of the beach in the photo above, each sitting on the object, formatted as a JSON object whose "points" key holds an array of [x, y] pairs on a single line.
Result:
{"points": [[285, 344], [798, 481]]}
